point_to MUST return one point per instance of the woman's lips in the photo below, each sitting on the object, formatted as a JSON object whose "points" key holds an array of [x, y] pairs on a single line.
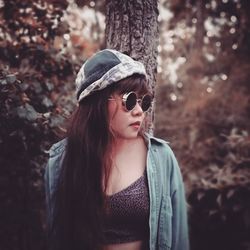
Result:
{"points": [[135, 124]]}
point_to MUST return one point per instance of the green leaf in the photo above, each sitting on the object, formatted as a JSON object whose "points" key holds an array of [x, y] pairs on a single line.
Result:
{"points": [[24, 86], [27, 112], [11, 78], [49, 86], [47, 102], [56, 121], [219, 200], [230, 193], [3, 81], [38, 88]]}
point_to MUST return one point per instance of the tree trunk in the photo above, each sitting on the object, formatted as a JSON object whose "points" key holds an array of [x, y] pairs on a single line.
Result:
{"points": [[200, 31], [132, 28]]}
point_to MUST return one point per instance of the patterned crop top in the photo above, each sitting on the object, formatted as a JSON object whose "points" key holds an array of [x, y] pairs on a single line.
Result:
{"points": [[127, 218]]}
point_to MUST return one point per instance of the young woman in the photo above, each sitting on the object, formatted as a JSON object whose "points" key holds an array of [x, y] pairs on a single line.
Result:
{"points": [[110, 185]]}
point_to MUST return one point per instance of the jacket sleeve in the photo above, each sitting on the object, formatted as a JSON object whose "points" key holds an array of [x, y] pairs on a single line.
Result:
{"points": [[47, 194], [180, 235], [51, 175], [48, 200]]}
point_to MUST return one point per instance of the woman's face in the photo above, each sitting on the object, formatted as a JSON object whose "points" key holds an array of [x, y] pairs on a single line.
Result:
{"points": [[124, 124]]}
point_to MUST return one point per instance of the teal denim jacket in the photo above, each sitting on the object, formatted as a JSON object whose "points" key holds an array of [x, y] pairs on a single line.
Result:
{"points": [[168, 214]]}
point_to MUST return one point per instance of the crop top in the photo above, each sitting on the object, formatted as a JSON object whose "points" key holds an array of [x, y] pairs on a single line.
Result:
{"points": [[127, 216]]}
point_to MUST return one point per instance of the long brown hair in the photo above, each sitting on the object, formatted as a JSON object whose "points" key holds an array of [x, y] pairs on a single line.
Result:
{"points": [[80, 193]]}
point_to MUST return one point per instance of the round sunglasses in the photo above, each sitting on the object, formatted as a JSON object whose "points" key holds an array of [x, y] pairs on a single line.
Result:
{"points": [[129, 101]]}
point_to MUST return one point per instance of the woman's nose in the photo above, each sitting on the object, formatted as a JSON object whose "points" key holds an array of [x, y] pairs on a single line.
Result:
{"points": [[137, 109]]}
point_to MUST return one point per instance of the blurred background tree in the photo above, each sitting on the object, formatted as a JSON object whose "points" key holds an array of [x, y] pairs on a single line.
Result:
{"points": [[34, 76], [202, 107]]}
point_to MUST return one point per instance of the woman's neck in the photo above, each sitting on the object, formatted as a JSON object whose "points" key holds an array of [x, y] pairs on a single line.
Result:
{"points": [[123, 144]]}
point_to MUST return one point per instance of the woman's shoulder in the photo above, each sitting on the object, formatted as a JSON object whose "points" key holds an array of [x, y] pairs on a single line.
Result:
{"points": [[162, 150], [53, 165], [166, 164], [156, 142], [56, 153]]}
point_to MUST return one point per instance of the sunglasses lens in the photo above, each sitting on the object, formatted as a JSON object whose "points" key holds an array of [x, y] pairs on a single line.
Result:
{"points": [[131, 101], [146, 102]]}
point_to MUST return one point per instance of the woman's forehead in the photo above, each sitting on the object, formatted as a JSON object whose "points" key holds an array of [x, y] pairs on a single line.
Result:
{"points": [[138, 92]]}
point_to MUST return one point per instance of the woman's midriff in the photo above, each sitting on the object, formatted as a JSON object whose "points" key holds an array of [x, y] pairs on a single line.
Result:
{"points": [[135, 245]]}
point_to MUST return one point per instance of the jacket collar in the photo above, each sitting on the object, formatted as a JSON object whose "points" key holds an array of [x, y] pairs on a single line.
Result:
{"points": [[150, 139]]}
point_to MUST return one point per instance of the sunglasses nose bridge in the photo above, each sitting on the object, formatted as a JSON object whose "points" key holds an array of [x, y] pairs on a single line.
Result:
{"points": [[138, 106], [139, 101]]}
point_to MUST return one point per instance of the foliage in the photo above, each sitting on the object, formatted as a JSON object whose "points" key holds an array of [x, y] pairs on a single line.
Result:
{"points": [[35, 97], [207, 116], [220, 219], [203, 110]]}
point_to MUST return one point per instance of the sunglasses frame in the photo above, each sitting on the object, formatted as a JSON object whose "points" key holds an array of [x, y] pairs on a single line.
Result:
{"points": [[138, 100]]}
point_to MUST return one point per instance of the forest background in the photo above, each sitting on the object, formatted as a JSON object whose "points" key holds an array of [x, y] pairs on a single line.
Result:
{"points": [[202, 108]]}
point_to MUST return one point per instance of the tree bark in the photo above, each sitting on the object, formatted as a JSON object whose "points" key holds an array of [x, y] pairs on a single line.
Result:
{"points": [[132, 28]]}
